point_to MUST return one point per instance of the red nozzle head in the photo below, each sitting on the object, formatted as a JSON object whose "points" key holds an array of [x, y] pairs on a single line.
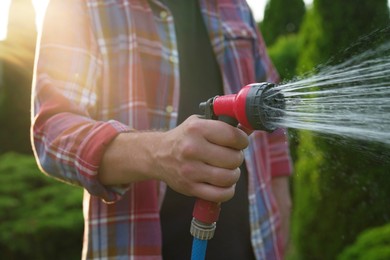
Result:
{"points": [[234, 106], [256, 106]]}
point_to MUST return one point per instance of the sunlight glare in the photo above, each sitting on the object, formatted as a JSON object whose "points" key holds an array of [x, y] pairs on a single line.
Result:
{"points": [[4, 7], [39, 6]]}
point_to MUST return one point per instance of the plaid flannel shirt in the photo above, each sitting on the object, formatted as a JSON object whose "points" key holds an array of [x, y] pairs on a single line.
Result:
{"points": [[111, 66]]}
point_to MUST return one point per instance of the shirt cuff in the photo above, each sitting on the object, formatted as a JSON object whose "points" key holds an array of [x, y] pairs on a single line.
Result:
{"points": [[90, 157], [281, 169]]}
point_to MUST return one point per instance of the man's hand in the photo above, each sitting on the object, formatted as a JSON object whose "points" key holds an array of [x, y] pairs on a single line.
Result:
{"points": [[199, 158]]}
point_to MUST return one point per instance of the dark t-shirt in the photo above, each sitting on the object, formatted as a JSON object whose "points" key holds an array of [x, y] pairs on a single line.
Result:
{"points": [[200, 79]]}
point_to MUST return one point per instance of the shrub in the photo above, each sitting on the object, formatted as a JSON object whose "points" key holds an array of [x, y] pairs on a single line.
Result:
{"points": [[284, 55], [279, 20], [341, 186], [39, 216], [371, 244], [335, 201]]}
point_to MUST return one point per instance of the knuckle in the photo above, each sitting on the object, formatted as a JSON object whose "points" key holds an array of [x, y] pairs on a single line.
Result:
{"points": [[188, 149], [187, 170], [228, 178], [191, 191], [185, 187], [193, 126], [236, 160]]}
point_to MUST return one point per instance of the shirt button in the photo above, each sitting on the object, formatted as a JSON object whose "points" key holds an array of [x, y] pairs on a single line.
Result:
{"points": [[169, 109], [172, 59], [163, 15]]}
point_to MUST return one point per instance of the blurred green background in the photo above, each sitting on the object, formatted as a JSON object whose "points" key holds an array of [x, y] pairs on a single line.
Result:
{"points": [[341, 196]]}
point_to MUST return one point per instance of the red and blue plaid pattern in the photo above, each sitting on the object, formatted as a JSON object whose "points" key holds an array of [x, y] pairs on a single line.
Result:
{"points": [[113, 67]]}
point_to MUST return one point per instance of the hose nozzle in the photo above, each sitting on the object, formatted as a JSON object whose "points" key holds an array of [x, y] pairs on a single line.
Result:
{"points": [[257, 106]]}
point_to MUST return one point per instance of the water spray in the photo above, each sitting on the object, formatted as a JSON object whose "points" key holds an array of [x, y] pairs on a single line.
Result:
{"points": [[349, 100], [256, 107]]}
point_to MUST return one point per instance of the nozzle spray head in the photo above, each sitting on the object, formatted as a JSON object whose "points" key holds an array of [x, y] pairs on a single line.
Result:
{"points": [[256, 106], [264, 106]]}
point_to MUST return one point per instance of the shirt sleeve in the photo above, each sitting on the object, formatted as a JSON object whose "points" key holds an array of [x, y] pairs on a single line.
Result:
{"points": [[280, 158], [67, 142]]}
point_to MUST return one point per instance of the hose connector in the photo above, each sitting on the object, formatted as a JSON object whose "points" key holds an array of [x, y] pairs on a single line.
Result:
{"points": [[205, 216], [201, 230]]}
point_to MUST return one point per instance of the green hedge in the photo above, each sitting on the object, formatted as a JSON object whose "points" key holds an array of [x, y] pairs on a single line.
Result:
{"points": [[373, 244], [335, 201], [40, 218], [284, 55], [341, 186]]}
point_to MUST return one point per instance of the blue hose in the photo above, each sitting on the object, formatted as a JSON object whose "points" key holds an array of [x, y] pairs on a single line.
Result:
{"points": [[198, 249]]}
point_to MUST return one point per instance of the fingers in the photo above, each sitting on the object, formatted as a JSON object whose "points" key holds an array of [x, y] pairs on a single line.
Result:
{"points": [[201, 158], [215, 194], [218, 132], [211, 154], [221, 145], [223, 157], [211, 175], [210, 183]]}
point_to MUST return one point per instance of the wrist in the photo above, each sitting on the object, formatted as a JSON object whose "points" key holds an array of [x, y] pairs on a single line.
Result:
{"points": [[129, 158]]}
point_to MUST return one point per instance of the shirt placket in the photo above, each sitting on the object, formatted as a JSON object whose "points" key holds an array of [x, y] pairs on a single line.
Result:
{"points": [[169, 101]]}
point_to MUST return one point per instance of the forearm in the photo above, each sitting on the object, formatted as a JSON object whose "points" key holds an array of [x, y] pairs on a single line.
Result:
{"points": [[129, 158]]}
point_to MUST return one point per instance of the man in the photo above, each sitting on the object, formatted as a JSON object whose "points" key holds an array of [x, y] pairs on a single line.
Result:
{"points": [[108, 117]]}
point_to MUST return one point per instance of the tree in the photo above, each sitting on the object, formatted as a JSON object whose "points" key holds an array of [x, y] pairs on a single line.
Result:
{"points": [[281, 17], [344, 22], [17, 56]]}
